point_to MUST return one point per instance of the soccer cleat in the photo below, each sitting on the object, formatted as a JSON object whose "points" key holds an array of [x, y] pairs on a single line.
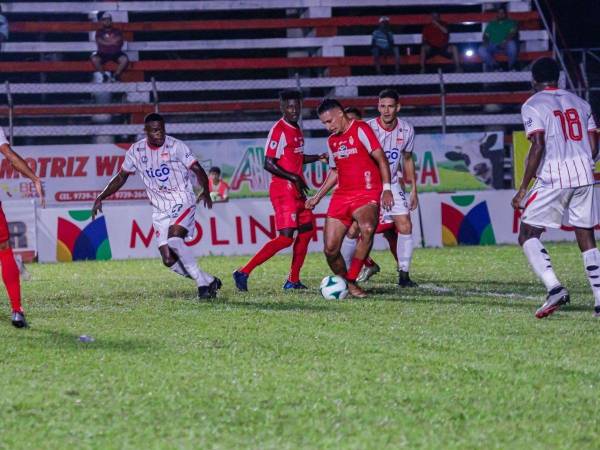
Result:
{"points": [[215, 285], [355, 290], [205, 293], [596, 311], [18, 320], [241, 280], [293, 285], [367, 272], [555, 299], [404, 280]]}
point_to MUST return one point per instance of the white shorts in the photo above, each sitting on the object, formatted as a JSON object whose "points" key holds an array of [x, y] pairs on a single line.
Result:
{"points": [[182, 215], [545, 207], [400, 207]]}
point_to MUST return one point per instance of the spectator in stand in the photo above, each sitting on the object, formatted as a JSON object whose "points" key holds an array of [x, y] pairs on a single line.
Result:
{"points": [[436, 42], [3, 28], [382, 43], [500, 35], [219, 189], [110, 43]]}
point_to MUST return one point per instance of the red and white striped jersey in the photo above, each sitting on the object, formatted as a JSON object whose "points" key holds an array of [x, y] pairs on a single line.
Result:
{"points": [[565, 120], [164, 171], [3, 139], [394, 142]]}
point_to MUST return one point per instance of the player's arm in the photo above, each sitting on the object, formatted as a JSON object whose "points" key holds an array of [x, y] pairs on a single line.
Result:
{"points": [[536, 152], [113, 186], [323, 157], [593, 135], [203, 181], [408, 166], [272, 167], [21, 166], [387, 199], [328, 185]]}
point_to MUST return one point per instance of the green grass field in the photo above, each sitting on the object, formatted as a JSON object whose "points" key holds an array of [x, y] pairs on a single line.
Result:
{"points": [[458, 363]]}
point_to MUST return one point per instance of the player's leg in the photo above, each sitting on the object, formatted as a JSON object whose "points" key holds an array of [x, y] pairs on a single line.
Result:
{"points": [[333, 234], [370, 267], [391, 236], [366, 216], [10, 275], [306, 231], [160, 222], [404, 249], [349, 243]]}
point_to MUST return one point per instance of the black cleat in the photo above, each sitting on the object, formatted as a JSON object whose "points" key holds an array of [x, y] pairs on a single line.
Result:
{"points": [[204, 293], [241, 280], [596, 311], [215, 285], [18, 320], [404, 280], [555, 299]]}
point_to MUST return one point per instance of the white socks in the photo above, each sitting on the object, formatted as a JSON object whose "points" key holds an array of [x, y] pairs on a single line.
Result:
{"points": [[404, 250], [540, 262], [591, 261], [179, 269], [347, 250], [189, 262]]}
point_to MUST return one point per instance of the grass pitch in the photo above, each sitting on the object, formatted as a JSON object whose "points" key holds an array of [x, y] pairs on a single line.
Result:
{"points": [[459, 363]]}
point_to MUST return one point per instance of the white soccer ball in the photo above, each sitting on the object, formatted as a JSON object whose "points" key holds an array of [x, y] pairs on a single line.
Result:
{"points": [[334, 287]]}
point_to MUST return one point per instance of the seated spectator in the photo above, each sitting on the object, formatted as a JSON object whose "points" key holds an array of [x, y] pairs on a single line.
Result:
{"points": [[500, 35], [353, 113], [382, 43], [3, 28], [219, 189], [436, 42], [110, 43]]}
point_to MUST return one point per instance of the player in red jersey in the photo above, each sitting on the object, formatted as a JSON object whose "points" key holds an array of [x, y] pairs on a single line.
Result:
{"points": [[285, 159], [10, 271], [361, 171]]}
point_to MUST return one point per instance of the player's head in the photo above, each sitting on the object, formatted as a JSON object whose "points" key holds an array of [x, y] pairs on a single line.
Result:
{"points": [[388, 106], [353, 113], [331, 113], [501, 12], [215, 173], [290, 102], [106, 20], [435, 16], [154, 127], [545, 72]]}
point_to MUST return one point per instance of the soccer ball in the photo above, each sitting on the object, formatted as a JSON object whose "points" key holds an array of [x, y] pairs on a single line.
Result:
{"points": [[334, 287]]}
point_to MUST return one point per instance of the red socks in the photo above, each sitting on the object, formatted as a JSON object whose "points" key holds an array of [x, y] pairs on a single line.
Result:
{"points": [[10, 276], [265, 253], [354, 269], [300, 250]]}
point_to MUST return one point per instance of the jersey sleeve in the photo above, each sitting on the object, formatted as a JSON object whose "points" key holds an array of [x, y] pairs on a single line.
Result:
{"points": [[3, 139], [367, 137], [531, 120], [185, 154], [276, 142], [591, 123], [410, 139], [331, 158], [129, 163]]}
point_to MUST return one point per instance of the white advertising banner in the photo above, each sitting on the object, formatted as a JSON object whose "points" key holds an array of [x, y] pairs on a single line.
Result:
{"points": [[238, 227], [20, 216]]}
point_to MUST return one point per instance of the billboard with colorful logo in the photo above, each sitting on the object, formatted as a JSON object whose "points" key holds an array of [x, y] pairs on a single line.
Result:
{"points": [[78, 237]]}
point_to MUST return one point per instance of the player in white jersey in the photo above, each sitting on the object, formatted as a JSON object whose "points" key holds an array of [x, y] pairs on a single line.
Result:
{"points": [[165, 165], [562, 131], [397, 140]]}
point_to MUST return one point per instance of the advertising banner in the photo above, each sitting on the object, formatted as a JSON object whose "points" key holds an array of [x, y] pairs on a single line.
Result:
{"points": [[77, 173], [20, 215], [239, 227]]}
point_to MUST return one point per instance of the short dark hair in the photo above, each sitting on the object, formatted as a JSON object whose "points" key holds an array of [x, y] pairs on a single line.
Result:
{"points": [[390, 93], [153, 117], [353, 110], [545, 70], [215, 169], [328, 104], [501, 7], [290, 94]]}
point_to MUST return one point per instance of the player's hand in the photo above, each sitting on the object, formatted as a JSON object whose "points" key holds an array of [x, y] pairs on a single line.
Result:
{"points": [[387, 200], [324, 157], [518, 198], [205, 196], [97, 207], [40, 191], [413, 201], [311, 202], [301, 186]]}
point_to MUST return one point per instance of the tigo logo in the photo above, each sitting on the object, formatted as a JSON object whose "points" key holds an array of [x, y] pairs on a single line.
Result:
{"points": [[470, 227], [76, 244]]}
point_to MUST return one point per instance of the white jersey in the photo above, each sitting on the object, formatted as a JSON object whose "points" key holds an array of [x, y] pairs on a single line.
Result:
{"points": [[164, 171], [394, 142], [565, 120], [3, 139]]}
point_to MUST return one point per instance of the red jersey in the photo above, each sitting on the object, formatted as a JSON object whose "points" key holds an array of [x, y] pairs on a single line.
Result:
{"points": [[435, 37], [350, 154], [286, 144]]}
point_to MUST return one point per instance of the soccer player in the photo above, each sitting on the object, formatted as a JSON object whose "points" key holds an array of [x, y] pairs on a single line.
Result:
{"points": [[563, 139], [285, 159], [10, 271], [362, 174], [165, 165]]}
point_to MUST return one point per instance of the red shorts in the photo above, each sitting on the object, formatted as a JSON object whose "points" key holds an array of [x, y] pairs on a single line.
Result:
{"points": [[4, 234], [343, 205], [289, 209]]}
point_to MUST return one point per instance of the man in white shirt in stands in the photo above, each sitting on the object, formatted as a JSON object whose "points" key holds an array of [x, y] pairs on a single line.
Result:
{"points": [[563, 139]]}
